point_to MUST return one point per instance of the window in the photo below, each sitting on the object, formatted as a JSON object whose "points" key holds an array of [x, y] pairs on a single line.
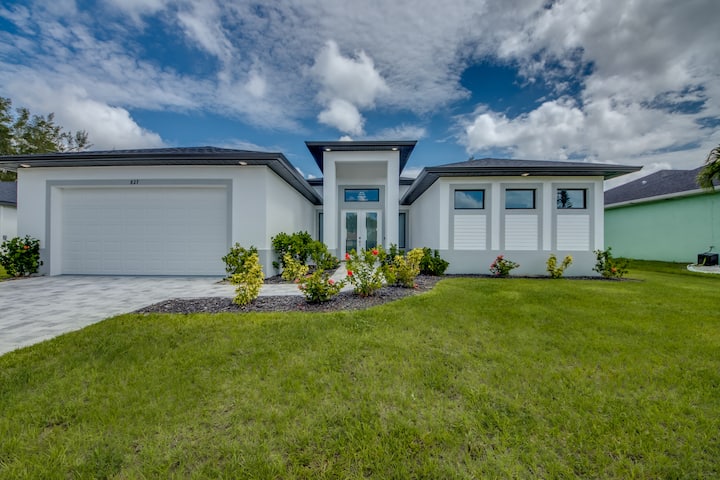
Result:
{"points": [[571, 198], [469, 199], [320, 226], [362, 194], [402, 224], [519, 199]]}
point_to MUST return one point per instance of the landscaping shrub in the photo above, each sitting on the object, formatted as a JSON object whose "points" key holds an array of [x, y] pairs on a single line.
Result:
{"points": [[236, 258], [367, 270], [319, 287], [301, 247], [406, 267], [20, 256], [249, 280], [608, 266], [555, 270], [501, 267], [321, 256], [432, 264], [293, 268], [298, 245]]}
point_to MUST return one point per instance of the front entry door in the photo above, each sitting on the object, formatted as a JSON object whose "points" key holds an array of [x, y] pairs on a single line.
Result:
{"points": [[361, 229]]}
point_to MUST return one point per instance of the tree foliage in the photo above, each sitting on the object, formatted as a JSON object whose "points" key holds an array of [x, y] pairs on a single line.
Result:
{"points": [[711, 170], [22, 133]]}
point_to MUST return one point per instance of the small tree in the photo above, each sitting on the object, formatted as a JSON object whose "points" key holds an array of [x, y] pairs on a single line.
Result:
{"points": [[22, 133], [711, 170]]}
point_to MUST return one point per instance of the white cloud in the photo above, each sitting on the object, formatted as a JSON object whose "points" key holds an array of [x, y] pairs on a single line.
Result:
{"points": [[108, 127], [651, 66], [202, 23], [347, 84], [402, 132], [344, 116]]}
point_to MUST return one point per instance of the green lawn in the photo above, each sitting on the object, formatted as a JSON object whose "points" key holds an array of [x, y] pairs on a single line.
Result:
{"points": [[3, 273], [479, 378]]}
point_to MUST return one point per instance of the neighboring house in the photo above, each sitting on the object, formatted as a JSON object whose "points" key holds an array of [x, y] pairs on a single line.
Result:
{"points": [[177, 211], [8, 210], [663, 216]]}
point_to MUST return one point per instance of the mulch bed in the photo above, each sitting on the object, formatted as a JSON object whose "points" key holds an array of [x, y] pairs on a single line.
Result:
{"points": [[287, 303]]}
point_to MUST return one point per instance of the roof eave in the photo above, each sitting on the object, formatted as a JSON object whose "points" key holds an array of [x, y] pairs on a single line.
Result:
{"points": [[429, 175], [403, 147], [275, 161]]}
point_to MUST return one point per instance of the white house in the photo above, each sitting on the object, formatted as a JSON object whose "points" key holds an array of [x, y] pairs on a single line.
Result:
{"points": [[8, 210], [177, 211]]}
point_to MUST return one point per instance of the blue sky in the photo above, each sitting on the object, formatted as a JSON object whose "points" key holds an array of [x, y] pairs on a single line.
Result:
{"points": [[584, 80]]}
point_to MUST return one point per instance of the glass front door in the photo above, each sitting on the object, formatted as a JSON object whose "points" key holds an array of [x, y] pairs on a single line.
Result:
{"points": [[361, 229]]}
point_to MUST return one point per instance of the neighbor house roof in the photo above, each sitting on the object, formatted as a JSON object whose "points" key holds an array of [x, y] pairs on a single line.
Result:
{"points": [[168, 156], [493, 167], [8, 194], [405, 147], [656, 186]]}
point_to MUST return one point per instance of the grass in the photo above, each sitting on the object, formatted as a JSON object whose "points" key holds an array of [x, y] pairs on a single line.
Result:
{"points": [[3, 273], [479, 378]]}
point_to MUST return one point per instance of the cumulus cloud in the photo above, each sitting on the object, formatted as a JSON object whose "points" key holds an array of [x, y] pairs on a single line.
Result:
{"points": [[347, 84], [641, 92], [342, 115], [108, 127]]}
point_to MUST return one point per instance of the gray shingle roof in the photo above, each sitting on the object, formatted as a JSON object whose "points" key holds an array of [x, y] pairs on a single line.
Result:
{"points": [[8, 193], [661, 183], [168, 156], [489, 167]]}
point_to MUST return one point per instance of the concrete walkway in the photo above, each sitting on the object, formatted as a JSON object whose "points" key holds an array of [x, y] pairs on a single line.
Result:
{"points": [[39, 308]]}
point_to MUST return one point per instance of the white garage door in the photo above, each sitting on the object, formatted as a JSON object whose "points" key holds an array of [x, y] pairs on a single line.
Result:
{"points": [[144, 230]]}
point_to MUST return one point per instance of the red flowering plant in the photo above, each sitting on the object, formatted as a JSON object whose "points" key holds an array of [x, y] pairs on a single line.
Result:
{"points": [[609, 266], [367, 271], [318, 287], [501, 267]]}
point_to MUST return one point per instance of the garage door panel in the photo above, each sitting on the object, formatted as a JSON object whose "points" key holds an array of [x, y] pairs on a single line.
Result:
{"points": [[144, 230]]}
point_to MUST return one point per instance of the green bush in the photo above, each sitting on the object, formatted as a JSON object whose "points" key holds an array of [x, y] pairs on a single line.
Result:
{"points": [[321, 256], [406, 267], [608, 266], [298, 245], [319, 287], [249, 280], [293, 269], [301, 247], [20, 256], [236, 258], [432, 264], [555, 270]]}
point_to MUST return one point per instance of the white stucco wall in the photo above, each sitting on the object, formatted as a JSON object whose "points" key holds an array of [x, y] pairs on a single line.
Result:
{"points": [[8, 222], [526, 236], [261, 202], [424, 219], [362, 169]]}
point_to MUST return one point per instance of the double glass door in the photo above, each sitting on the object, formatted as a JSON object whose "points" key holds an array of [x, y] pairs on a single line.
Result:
{"points": [[361, 229]]}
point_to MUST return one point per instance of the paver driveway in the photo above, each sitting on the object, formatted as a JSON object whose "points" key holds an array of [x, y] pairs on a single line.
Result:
{"points": [[39, 308]]}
